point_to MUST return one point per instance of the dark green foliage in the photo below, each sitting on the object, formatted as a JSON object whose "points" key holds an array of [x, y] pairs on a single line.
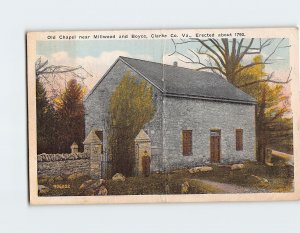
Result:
{"points": [[46, 121], [61, 122]]}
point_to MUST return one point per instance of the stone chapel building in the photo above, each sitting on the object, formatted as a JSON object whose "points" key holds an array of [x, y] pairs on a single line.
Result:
{"points": [[200, 117]]}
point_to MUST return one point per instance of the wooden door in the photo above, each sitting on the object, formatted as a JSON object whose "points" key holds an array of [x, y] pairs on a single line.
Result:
{"points": [[146, 165], [215, 146]]}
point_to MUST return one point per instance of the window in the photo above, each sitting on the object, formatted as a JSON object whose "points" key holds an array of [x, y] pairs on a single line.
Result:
{"points": [[239, 139], [186, 142]]}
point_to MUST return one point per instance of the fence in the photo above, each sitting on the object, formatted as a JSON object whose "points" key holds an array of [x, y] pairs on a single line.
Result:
{"points": [[273, 154]]}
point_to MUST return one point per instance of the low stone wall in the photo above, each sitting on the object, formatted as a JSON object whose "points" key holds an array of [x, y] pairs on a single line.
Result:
{"points": [[60, 157], [63, 164]]}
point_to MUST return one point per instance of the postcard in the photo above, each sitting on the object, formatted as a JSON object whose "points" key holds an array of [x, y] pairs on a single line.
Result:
{"points": [[151, 116]]}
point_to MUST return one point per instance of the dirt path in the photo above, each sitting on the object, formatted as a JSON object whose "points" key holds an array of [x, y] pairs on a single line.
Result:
{"points": [[229, 188]]}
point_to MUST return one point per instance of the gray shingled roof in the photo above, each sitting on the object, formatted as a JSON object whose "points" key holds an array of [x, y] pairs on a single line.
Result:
{"points": [[183, 82]]}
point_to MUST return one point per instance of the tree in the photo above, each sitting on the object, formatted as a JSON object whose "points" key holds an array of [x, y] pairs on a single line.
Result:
{"points": [[273, 121], [54, 85], [227, 57], [45, 113], [130, 108], [70, 112], [55, 77], [274, 125]]}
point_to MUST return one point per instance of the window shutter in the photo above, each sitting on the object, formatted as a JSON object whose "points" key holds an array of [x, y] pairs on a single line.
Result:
{"points": [[239, 139], [187, 142]]}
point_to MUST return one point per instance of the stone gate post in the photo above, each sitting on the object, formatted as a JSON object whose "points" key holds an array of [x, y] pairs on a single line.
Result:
{"points": [[93, 146], [95, 160], [74, 148], [142, 149]]}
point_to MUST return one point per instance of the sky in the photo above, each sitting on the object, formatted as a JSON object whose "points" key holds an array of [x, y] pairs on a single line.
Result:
{"points": [[96, 56]]}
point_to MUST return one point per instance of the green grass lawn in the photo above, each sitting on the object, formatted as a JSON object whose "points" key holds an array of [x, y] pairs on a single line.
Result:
{"points": [[279, 179]]}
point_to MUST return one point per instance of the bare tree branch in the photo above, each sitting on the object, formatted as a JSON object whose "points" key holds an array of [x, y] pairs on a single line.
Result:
{"points": [[54, 75], [227, 56], [269, 79]]}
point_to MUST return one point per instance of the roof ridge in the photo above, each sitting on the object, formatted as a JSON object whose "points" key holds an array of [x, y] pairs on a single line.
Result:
{"points": [[137, 65], [193, 70], [159, 63]]}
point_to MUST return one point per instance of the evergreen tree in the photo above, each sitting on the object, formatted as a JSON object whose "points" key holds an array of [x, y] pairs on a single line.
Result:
{"points": [[46, 132], [70, 112]]}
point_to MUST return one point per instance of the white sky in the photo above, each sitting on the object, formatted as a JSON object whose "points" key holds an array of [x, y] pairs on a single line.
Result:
{"points": [[96, 56]]}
